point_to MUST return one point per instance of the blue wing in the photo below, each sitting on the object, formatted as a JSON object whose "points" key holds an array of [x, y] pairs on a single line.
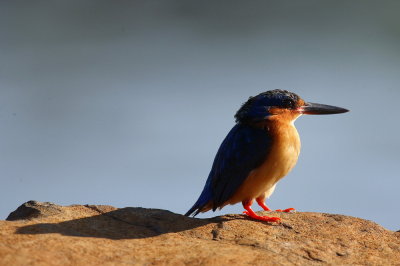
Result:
{"points": [[244, 149]]}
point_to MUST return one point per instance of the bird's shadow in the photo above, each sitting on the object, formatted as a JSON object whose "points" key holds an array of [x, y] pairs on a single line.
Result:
{"points": [[124, 223]]}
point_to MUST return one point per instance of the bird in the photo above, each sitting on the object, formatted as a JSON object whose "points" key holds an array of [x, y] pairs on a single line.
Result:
{"points": [[261, 148]]}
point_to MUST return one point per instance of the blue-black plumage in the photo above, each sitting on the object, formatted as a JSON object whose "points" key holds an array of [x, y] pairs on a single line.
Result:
{"points": [[244, 149]]}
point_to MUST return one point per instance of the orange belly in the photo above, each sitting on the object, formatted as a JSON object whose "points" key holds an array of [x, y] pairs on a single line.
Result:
{"points": [[283, 156]]}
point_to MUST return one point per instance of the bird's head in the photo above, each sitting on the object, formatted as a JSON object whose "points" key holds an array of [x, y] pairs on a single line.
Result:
{"points": [[280, 105]]}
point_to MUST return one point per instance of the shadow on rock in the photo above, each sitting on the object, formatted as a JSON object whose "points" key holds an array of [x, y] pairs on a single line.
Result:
{"points": [[125, 223]]}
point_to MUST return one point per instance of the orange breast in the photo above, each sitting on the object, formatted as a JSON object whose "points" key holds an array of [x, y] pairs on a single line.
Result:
{"points": [[281, 159]]}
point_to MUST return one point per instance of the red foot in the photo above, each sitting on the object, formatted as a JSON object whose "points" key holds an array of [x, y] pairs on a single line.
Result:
{"points": [[265, 207], [252, 214], [263, 218], [286, 210]]}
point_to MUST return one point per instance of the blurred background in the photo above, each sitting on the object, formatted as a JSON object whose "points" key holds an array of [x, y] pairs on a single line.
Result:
{"points": [[126, 103]]}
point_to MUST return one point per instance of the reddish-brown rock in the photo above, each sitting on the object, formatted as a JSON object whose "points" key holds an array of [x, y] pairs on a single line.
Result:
{"points": [[48, 234]]}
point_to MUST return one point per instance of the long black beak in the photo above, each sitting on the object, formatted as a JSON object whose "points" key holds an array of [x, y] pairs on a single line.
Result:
{"points": [[321, 109]]}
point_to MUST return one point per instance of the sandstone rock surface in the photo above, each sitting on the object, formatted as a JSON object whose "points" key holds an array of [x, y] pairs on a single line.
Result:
{"points": [[48, 234]]}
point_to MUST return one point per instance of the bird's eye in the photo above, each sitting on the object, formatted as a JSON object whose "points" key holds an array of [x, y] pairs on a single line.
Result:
{"points": [[288, 103]]}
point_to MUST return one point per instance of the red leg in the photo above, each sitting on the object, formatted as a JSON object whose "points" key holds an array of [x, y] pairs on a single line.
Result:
{"points": [[265, 207], [252, 214], [262, 205]]}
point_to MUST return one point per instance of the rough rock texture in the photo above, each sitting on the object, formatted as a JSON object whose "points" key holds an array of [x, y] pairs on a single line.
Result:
{"points": [[48, 234]]}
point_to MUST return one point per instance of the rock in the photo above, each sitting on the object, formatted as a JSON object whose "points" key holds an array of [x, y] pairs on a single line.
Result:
{"points": [[34, 209], [48, 234]]}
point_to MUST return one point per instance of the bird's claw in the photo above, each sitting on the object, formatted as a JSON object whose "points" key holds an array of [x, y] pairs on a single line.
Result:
{"points": [[286, 210], [263, 218]]}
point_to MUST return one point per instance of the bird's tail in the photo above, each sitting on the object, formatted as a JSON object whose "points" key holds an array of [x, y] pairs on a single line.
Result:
{"points": [[195, 210], [202, 204]]}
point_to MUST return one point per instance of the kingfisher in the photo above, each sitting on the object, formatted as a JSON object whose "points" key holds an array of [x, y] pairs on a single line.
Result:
{"points": [[261, 148]]}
